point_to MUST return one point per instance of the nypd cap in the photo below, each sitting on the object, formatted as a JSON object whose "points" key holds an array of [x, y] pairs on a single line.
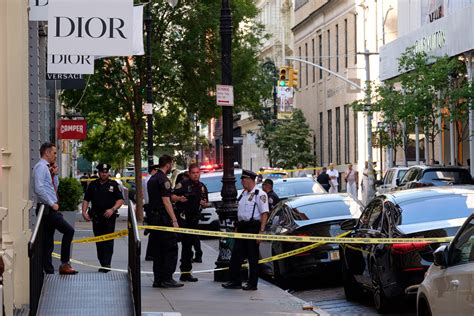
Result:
{"points": [[103, 167], [248, 174]]}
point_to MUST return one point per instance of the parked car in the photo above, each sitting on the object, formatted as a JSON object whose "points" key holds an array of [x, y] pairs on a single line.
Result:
{"points": [[286, 188], [422, 176], [389, 181], [448, 285], [213, 180], [310, 215], [387, 270]]}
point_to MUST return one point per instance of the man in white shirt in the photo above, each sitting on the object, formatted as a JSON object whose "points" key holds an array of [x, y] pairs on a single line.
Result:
{"points": [[252, 217], [333, 178]]}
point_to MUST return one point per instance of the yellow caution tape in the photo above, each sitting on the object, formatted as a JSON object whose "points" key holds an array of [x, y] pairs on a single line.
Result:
{"points": [[310, 239], [106, 237]]}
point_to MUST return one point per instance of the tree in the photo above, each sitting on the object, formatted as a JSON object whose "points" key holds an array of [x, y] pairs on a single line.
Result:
{"points": [[186, 68], [289, 142]]}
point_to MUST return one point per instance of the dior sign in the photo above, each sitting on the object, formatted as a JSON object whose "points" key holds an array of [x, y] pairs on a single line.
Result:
{"points": [[74, 64], [38, 10], [90, 27]]}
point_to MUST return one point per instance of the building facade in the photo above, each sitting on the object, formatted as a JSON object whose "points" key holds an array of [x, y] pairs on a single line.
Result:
{"points": [[332, 34]]}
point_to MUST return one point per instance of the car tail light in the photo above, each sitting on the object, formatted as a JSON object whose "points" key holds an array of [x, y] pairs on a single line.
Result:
{"points": [[408, 247]]}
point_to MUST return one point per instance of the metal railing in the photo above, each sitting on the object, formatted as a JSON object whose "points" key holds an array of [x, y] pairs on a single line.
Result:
{"points": [[35, 253], [134, 251]]}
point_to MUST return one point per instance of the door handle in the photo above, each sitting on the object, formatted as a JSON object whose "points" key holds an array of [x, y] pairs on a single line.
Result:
{"points": [[454, 283]]}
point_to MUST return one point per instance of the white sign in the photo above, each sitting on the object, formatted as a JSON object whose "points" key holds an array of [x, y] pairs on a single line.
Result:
{"points": [[225, 95], [138, 30], [38, 10], [70, 64], [90, 27], [147, 108]]}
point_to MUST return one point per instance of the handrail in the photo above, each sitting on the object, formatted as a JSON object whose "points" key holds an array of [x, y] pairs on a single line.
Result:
{"points": [[134, 252], [35, 253]]}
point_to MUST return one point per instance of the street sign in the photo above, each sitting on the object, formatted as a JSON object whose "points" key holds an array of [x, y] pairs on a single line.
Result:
{"points": [[68, 81], [147, 108], [72, 129], [238, 140], [225, 95]]}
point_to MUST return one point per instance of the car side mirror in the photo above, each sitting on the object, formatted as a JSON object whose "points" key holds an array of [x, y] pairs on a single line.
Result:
{"points": [[378, 183], [440, 256], [397, 182], [349, 224]]}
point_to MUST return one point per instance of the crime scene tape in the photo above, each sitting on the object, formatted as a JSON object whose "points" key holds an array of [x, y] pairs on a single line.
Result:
{"points": [[310, 239], [118, 234], [265, 260]]}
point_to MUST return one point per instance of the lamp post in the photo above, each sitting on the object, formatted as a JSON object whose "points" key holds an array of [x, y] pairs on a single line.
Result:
{"points": [[228, 210]]}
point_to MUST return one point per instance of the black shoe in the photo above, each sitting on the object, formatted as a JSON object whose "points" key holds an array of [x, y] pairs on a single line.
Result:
{"points": [[171, 284], [232, 286], [188, 278], [249, 287], [148, 258], [104, 270], [157, 284], [197, 259]]}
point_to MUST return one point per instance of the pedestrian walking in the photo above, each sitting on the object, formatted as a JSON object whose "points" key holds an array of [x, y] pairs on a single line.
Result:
{"points": [[152, 170], [273, 198], [323, 179], [196, 195], [252, 215], [352, 180], [366, 185], [165, 255], [333, 178], [45, 188], [105, 198]]}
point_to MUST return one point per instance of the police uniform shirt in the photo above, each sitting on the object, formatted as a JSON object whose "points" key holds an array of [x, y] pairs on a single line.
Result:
{"points": [[158, 186], [247, 202], [103, 195], [194, 191], [273, 199]]}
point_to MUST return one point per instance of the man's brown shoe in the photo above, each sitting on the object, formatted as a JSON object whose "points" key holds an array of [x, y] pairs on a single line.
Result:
{"points": [[66, 268]]}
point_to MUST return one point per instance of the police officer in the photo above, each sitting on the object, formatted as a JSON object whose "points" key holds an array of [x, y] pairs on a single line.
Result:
{"points": [[190, 211], [106, 198], [252, 217], [165, 256], [146, 207], [273, 198]]}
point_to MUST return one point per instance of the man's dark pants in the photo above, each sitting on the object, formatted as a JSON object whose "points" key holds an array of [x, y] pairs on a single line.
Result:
{"points": [[165, 250], [187, 242], [53, 220], [105, 249], [149, 246], [244, 249]]}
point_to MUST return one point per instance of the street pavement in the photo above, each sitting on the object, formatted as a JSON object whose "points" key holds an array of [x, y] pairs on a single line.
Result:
{"points": [[205, 297]]}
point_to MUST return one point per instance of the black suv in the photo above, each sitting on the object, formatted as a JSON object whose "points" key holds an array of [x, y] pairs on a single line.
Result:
{"points": [[423, 176]]}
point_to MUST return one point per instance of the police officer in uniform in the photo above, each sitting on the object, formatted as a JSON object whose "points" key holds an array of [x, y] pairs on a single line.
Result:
{"points": [[190, 212], [273, 198], [165, 254], [252, 217], [106, 198]]}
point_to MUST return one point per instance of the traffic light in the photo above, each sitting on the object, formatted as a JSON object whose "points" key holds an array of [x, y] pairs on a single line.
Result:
{"points": [[293, 78], [283, 78]]}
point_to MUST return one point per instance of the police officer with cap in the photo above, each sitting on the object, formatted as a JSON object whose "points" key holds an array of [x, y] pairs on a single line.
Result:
{"points": [[197, 196], [165, 255], [252, 217], [273, 198], [105, 198]]}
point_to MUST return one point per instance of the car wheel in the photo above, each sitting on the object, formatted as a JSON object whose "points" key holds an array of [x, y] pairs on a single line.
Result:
{"points": [[352, 290], [381, 302], [423, 309]]}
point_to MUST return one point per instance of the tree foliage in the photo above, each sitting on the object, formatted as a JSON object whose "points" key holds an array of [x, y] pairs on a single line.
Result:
{"points": [[289, 142]]}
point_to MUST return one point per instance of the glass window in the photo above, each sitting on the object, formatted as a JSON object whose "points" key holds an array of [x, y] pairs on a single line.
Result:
{"points": [[214, 184], [388, 177], [372, 215], [436, 208], [442, 177], [326, 209], [463, 250], [401, 174]]}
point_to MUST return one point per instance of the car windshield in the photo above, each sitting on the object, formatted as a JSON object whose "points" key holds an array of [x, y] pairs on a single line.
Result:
{"points": [[327, 209], [214, 183], [401, 173], [442, 177], [436, 208], [289, 188]]}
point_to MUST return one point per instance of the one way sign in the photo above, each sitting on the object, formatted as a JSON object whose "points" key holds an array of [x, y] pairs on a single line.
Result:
{"points": [[225, 95]]}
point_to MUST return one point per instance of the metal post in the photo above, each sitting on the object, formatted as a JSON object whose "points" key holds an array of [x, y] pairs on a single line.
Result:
{"points": [[370, 168], [452, 147], [417, 141], [228, 210], [468, 58], [149, 91], [275, 108]]}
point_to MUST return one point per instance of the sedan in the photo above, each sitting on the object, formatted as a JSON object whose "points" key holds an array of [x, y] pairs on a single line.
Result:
{"points": [[448, 285], [424, 176], [388, 270], [310, 215]]}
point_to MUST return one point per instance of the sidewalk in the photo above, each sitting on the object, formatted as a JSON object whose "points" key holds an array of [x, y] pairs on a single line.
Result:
{"points": [[205, 297]]}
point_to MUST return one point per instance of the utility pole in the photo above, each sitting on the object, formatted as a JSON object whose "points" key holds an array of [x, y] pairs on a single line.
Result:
{"points": [[370, 168], [149, 88]]}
